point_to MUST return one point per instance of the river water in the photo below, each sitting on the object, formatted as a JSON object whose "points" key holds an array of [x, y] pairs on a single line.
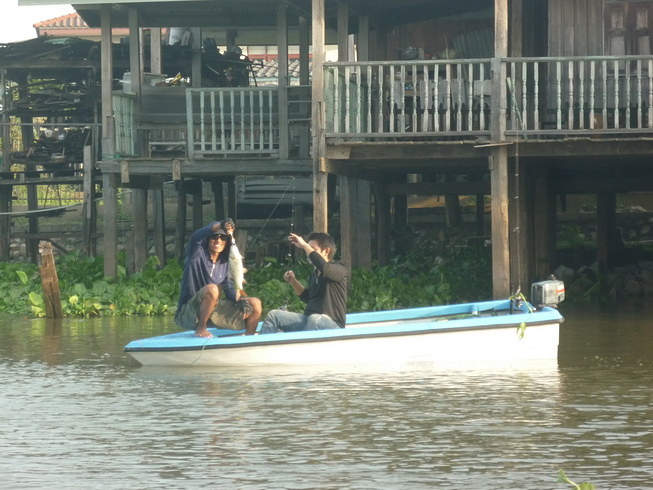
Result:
{"points": [[76, 412]]}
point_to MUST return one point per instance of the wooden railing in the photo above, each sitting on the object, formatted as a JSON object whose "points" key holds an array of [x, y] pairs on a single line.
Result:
{"points": [[546, 97], [580, 95], [223, 121], [405, 100], [419, 98]]}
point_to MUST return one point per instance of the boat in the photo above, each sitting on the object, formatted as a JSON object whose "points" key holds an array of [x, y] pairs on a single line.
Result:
{"points": [[511, 330]]}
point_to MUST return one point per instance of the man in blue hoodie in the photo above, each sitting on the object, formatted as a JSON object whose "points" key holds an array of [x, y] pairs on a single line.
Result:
{"points": [[208, 296]]}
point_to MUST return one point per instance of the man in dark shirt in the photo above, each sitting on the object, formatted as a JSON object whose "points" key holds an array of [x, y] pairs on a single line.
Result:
{"points": [[325, 296], [208, 296]]}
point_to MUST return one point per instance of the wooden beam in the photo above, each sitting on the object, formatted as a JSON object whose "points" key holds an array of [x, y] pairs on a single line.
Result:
{"points": [[438, 188], [211, 167], [106, 49]]}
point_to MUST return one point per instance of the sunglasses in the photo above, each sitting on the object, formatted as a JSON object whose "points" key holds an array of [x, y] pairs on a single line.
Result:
{"points": [[218, 237]]}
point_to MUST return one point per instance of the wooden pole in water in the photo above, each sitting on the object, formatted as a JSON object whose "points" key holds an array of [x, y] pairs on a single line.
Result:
{"points": [[50, 282]]}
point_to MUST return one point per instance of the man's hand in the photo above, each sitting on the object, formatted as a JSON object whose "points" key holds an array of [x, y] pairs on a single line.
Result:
{"points": [[245, 307], [289, 276], [297, 241]]}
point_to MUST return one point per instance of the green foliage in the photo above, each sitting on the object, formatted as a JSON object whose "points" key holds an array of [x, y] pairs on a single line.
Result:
{"points": [[582, 486], [85, 292], [420, 277]]}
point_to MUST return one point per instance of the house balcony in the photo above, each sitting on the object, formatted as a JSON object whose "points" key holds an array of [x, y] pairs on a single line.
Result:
{"points": [[396, 101], [453, 99]]}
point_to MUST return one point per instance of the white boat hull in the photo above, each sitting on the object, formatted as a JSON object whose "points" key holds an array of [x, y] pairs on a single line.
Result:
{"points": [[472, 339], [540, 342]]}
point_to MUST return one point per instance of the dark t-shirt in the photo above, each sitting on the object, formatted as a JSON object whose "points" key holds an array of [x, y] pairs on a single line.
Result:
{"points": [[327, 289]]}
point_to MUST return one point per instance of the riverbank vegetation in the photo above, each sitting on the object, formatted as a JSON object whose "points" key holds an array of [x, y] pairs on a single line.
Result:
{"points": [[423, 275]]}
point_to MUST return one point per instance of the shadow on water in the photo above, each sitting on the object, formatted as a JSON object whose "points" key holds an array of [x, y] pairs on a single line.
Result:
{"points": [[607, 335]]}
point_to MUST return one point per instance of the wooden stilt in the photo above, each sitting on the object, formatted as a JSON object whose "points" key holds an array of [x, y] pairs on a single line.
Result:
{"points": [[180, 228], [158, 212]]}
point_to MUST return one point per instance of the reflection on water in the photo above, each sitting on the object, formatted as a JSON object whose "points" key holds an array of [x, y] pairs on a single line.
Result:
{"points": [[77, 412]]}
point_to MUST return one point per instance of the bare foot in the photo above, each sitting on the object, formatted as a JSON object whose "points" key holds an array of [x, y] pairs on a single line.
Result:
{"points": [[202, 332]]}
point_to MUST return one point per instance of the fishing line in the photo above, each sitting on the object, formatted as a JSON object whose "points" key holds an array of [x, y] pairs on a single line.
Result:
{"points": [[291, 183], [517, 229], [289, 256]]}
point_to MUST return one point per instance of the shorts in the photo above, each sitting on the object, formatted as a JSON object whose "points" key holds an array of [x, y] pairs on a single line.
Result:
{"points": [[227, 314]]}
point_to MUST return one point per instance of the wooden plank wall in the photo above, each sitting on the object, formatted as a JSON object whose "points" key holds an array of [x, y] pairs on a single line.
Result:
{"points": [[575, 27]]}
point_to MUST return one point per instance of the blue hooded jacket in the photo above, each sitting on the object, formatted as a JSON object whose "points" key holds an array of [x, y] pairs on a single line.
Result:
{"points": [[199, 270]]}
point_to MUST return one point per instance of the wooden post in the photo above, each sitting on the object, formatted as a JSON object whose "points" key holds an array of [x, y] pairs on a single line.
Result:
{"points": [[196, 61], [347, 226], [452, 206], [159, 216], [136, 73], [363, 41], [282, 60], [364, 224], [231, 199], [108, 126], [320, 195], [382, 223], [89, 210], [195, 188], [110, 242], [542, 231], [218, 199], [50, 282], [606, 230], [180, 229], [155, 50], [516, 28], [499, 157], [304, 80], [343, 31], [139, 227], [304, 51]]}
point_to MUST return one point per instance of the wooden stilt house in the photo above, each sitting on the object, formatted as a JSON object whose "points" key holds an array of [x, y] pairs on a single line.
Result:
{"points": [[518, 100]]}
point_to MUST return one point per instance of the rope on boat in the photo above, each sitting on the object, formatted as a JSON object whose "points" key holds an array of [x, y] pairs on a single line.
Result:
{"points": [[201, 351]]}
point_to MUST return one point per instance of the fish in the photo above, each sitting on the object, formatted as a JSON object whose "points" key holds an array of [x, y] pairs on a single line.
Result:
{"points": [[236, 268]]}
